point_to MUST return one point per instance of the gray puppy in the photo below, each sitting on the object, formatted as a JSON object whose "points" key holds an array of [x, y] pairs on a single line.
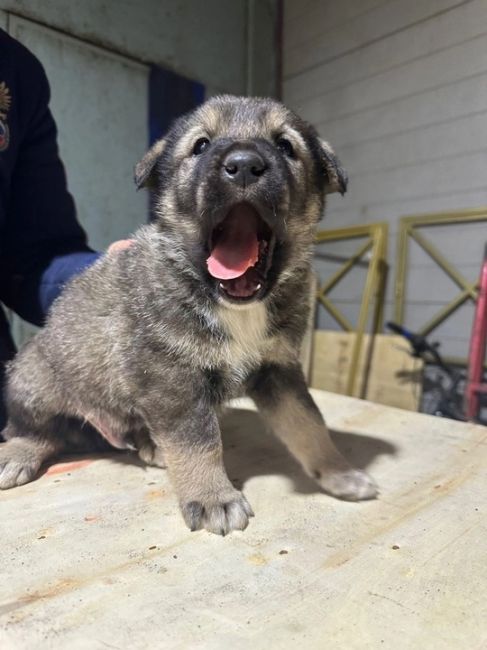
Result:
{"points": [[210, 302]]}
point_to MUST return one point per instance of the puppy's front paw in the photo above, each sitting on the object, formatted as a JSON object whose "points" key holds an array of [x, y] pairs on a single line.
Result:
{"points": [[19, 463], [348, 484], [219, 515]]}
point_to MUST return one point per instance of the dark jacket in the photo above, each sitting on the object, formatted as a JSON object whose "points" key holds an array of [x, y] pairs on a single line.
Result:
{"points": [[42, 244]]}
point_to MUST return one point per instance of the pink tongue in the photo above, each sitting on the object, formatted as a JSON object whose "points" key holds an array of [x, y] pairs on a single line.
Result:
{"points": [[237, 248]]}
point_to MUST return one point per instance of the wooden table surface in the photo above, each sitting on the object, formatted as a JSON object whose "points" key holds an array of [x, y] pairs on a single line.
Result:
{"points": [[95, 554]]}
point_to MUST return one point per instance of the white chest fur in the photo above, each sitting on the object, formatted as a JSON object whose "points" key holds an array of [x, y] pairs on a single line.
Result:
{"points": [[246, 330]]}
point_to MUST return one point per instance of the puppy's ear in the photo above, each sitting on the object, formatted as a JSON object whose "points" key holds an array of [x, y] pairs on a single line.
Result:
{"points": [[337, 178], [144, 174]]}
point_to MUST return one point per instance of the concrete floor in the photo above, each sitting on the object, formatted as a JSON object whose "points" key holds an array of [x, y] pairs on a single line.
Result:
{"points": [[95, 555]]}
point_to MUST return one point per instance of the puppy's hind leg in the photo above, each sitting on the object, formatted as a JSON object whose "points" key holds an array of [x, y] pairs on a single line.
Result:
{"points": [[34, 432], [21, 457], [149, 453]]}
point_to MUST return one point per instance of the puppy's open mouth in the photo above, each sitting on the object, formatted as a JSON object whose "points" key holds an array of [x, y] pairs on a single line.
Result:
{"points": [[241, 249]]}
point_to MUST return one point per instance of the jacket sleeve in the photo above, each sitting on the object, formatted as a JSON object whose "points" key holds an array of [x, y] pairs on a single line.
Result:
{"points": [[43, 245]]}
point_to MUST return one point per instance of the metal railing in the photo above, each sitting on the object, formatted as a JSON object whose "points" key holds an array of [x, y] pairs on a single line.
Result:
{"points": [[376, 243], [409, 227]]}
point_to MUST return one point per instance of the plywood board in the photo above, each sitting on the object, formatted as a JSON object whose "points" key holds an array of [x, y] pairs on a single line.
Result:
{"points": [[394, 377], [95, 554]]}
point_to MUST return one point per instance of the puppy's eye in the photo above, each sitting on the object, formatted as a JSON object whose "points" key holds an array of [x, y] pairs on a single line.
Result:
{"points": [[200, 145], [285, 146]]}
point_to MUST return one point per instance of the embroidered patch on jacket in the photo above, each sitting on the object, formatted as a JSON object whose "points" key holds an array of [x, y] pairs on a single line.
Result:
{"points": [[5, 102]]}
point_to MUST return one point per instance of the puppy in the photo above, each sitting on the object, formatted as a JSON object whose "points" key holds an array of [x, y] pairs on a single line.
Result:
{"points": [[210, 302]]}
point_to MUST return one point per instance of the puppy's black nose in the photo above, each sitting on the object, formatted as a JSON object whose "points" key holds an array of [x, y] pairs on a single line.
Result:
{"points": [[243, 167]]}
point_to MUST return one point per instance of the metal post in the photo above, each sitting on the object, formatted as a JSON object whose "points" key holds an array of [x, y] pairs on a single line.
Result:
{"points": [[478, 343], [377, 240]]}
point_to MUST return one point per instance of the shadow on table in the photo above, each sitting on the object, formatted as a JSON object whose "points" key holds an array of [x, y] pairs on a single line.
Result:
{"points": [[251, 450]]}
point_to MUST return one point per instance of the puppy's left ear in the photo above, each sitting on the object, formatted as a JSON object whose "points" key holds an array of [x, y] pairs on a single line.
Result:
{"points": [[337, 177], [144, 174]]}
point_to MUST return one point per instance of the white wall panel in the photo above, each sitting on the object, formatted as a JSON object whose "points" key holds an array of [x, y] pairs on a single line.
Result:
{"points": [[306, 22], [400, 90], [429, 72], [430, 143], [206, 41], [340, 214], [168, 33], [385, 32], [466, 97], [99, 102]]}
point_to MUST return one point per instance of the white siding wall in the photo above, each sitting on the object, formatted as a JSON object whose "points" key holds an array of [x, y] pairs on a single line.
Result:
{"points": [[400, 90]]}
